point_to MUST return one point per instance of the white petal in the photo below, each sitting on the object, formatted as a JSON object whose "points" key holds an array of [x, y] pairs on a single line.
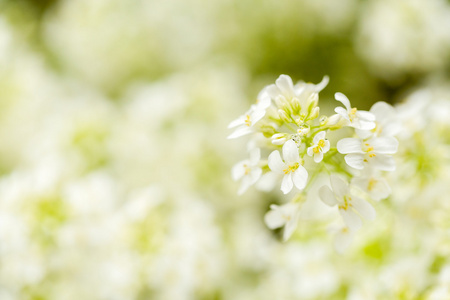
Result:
{"points": [[380, 190], [365, 115], [319, 136], [339, 186], [310, 151], [255, 155], [383, 162], [391, 129], [342, 112], [355, 160], [321, 85], [363, 208], [290, 227], [300, 177], [349, 145], [318, 157], [351, 219], [267, 181], [364, 125], [237, 122], [364, 134], [274, 217], [326, 148], [238, 170], [264, 100], [273, 91], [275, 162], [343, 99], [384, 145], [290, 152], [245, 184], [382, 110], [240, 131], [284, 83], [343, 239], [257, 115], [255, 174], [287, 184], [327, 196]]}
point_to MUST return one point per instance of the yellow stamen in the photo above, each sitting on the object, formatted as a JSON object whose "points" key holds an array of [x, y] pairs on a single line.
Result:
{"points": [[248, 122], [291, 168]]}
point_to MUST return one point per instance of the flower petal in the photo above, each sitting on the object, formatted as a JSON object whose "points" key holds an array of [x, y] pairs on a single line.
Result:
{"points": [[319, 136], [384, 145], [339, 186], [275, 162], [240, 131], [343, 99], [318, 157], [355, 160], [267, 181], [274, 217], [300, 177], [237, 122], [290, 226], [351, 219], [245, 184], [287, 184], [342, 112], [255, 155], [321, 85], [363, 208], [383, 162], [365, 115], [284, 83], [365, 125], [326, 148], [290, 152], [349, 145], [238, 170], [327, 196], [343, 239]]}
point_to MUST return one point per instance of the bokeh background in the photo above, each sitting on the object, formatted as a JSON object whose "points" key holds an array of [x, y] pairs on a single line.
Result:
{"points": [[115, 168]]}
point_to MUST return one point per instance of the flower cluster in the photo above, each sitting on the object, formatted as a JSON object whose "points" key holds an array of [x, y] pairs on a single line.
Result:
{"points": [[285, 123]]}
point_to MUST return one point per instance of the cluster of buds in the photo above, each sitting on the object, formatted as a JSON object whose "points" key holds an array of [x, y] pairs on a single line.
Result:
{"points": [[285, 124]]}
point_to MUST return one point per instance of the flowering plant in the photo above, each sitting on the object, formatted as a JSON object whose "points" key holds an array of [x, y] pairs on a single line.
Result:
{"points": [[285, 123]]}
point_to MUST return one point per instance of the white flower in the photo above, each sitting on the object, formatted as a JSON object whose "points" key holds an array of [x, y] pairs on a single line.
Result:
{"points": [[291, 168], [374, 152], [358, 119], [285, 215], [387, 122], [319, 147], [350, 207], [256, 112], [376, 186], [247, 170]]}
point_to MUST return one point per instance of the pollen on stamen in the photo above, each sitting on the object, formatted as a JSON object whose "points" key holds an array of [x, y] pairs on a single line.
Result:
{"points": [[248, 122]]}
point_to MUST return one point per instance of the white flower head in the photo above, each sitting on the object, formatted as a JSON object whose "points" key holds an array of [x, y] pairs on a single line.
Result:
{"points": [[291, 167], [358, 119], [319, 147], [387, 122], [247, 171], [375, 152], [244, 123], [350, 206], [286, 215]]}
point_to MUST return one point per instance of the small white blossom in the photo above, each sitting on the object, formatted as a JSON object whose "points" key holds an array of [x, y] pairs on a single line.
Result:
{"points": [[350, 206], [387, 122], [358, 119], [374, 152], [319, 147], [285, 215], [291, 167], [257, 111], [247, 170]]}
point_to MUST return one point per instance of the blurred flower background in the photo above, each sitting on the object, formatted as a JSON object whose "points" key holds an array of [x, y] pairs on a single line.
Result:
{"points": [[115, 168]]}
